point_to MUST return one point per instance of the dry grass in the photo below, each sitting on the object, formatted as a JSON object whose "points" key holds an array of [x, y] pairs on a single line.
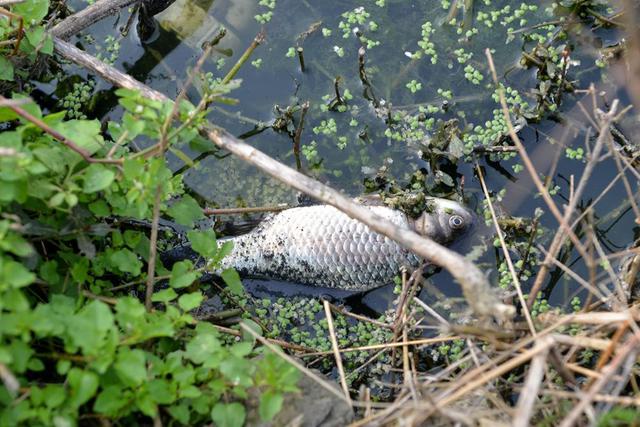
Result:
{"points": [[534, 371]]}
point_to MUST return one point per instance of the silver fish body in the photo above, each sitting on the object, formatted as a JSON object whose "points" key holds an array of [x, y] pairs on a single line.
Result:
{"points": [[321, 246]]}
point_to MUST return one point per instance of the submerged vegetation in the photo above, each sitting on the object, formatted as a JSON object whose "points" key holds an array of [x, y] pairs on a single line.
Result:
{"points": [[519, 109]]}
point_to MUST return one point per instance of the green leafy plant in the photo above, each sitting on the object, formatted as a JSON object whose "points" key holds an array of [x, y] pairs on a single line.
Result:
{"points": [[74, 343]]}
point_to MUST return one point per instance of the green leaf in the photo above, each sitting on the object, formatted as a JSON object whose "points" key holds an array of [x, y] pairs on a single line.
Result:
{"points": [[237, 370], [133, 168], [32, 11], [202, 347], [111, 400], [232, 279], [162, 391], [130, 367], [54, 395], [100, 208], [182, 274], [188, 302], [164, 295], [228, 414], [84, 133], [83, 384], [254, 327], [186, 211], [97, 177], [6, 71], [29, 106], [241, 349], [14, 274], [132, 125], [180, 412], [15, 244], [89, 327], [132, 238], [126, 261], [20, 354], [225, 250], [203, 242], [270, 405], [39, 38]]}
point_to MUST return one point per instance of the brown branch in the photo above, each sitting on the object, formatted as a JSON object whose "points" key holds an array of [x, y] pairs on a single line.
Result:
{"points": [[562, 219], [153, 248], [88, 16], [529, 394], [306, 371], [362, 73], [630, 349], [55, 134], [105, 71], [336, 352], [633, 50], [163, 145], [559, 238], [9, 380], [475, 285], [505, 251], [298, 135], [4, 3]]}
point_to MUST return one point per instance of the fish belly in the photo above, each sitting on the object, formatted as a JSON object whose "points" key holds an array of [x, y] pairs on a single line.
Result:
{"points": [[321, 246]]}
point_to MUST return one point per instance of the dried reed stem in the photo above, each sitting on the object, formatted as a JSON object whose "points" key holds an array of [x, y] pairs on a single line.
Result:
{"points": [[336, 352]]}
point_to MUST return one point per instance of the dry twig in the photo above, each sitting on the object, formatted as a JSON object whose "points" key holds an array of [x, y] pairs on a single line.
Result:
{"points": [[336, 352]]}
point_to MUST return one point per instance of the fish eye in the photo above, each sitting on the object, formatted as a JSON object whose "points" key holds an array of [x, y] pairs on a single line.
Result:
{"points": [[456, 222]]}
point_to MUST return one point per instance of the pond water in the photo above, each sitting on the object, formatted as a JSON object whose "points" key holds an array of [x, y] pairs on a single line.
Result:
{"points": [[421, 76]]}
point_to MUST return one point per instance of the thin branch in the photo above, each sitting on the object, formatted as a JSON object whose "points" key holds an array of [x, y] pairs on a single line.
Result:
{"points": [[55, 134], [88, 16], [562, 219], [336, 352], [476, 288], [478, 293], [630, 349], [308, 372], [529, 394], [9, 380], [107, 72], [259, 39], [153, 248], [298, 135], [505, 251]]}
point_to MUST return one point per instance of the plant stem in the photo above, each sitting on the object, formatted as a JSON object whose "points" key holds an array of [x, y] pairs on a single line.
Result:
{"points": [[298, 134], [245, 56], [300, 51]]}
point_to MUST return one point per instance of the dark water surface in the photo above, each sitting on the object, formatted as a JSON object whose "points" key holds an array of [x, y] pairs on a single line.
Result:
{"points": [[163, 64]]}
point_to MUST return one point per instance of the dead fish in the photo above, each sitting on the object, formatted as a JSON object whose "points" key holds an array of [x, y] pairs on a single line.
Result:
{"points": [[321, 246]]}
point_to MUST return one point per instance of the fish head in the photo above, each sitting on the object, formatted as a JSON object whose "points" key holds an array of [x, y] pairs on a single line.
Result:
{"points": [[443, 220]]}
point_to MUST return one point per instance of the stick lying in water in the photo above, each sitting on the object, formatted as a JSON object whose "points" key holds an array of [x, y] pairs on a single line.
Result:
{"points": [[88, 16], [475, 286]]}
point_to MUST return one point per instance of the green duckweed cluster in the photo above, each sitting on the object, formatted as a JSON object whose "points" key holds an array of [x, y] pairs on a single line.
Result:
{"points": [[75, 101], [266, 16]]}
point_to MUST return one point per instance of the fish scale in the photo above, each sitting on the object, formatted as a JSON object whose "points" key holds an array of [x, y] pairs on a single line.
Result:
{"points": [[321, 246]]}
